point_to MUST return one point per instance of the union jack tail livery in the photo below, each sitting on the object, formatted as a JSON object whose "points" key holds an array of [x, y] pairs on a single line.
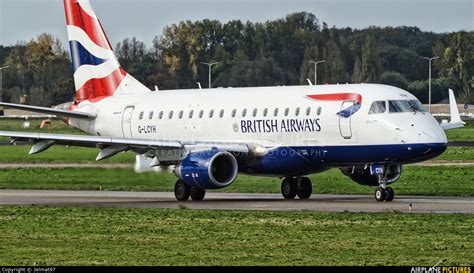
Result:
{"points": [[97, 72]]}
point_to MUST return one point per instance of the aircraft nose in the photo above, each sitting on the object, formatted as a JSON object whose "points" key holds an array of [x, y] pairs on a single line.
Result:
{"points": [[432, 135], [429, 130]]}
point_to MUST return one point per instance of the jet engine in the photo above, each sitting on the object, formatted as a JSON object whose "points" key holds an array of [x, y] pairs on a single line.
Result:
{"points": [[362, 175], [211, 169]]}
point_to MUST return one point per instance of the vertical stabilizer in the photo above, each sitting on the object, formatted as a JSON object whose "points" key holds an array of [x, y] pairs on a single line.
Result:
{"points": [[97, 72]]}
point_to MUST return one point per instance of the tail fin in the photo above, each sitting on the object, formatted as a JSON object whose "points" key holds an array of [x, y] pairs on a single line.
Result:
{"points": [[97, 72]]}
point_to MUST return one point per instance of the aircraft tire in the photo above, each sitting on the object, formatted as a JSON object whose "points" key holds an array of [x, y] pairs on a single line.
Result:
{"points": [[305, 189], [289, 188], [197, 194], [181, 190], [379, 194], [389, 194]]}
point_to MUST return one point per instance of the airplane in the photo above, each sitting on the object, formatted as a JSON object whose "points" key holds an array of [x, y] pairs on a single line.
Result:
{"points": [[368, 131]]}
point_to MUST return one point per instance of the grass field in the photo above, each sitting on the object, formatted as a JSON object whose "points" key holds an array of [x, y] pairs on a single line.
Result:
{"points": [[88, 236], [455, 181], [61, 154], [462, 134]]}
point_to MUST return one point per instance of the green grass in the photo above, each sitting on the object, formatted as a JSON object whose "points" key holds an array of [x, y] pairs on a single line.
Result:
{"points": [[457, 154], [58, 126], [91, 236], [61, 154], [455, 181], [462, 134], [58, 154]]}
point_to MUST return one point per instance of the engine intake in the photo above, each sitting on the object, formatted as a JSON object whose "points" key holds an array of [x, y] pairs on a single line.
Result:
{"points": [[362, 175], [212, 169]]}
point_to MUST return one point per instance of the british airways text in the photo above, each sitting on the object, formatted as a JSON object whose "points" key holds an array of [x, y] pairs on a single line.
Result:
{"points": [[275, 126]]}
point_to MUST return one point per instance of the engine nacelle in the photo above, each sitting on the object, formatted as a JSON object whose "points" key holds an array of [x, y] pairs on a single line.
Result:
{"points": [[211, 169], [362, 175]]}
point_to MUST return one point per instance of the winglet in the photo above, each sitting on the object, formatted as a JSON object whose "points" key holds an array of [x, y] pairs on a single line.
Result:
{"points": [[455, 121], [453, 109]]}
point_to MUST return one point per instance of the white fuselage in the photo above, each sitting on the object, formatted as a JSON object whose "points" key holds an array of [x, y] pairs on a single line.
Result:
{"points": [[267, 116]]}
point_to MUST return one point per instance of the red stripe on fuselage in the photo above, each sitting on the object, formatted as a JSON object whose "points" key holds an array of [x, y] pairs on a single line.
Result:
{"points": [[101, 87], [76, 16], [338, 96]]}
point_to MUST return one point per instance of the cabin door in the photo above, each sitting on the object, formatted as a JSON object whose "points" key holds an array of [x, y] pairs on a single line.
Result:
{"points": [[345, 127]]}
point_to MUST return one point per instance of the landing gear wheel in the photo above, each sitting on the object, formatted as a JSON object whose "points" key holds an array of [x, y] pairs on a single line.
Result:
{"points": [[197, 194], [304, 188], [379, 194], [389, 194], [289, 188], [181, 190]]}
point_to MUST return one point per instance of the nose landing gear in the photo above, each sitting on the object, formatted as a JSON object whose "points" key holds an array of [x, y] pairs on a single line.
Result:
{"points": [[383, 193], [386, 194]]}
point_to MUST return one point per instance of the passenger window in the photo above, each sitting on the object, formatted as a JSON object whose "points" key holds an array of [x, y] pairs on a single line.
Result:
{"points": [[287, 111], [319, 111], [234, 112], [140, 116], [201, 113], [160, 116], [275, 112], [211, 113], [221, 114], [255, 111], [191, 113], [170, 116], [180, 115], [265, 112], [378, 107], [297, 111], [151, 115], [244, 113], [308, 111]]}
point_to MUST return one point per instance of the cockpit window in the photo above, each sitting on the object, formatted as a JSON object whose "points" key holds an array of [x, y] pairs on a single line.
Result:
{"points": [[400, 106], [418, 106], [378, 107]]}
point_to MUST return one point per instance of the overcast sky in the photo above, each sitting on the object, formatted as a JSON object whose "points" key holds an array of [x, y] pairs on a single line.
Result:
{"points": [[22, 20]]}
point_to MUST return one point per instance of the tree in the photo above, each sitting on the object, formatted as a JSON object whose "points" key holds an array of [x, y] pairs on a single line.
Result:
{"points": [[394, 79], [335, 71], [369, 63]]}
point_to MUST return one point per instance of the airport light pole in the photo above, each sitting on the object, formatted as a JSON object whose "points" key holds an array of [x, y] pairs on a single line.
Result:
{"points": [[1, 82], [429, 81], [316, 70], [210, 71]]}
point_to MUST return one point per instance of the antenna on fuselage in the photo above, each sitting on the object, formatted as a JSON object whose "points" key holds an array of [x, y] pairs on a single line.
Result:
{"points": [[199, 85], [309, 82], [156, 88]]}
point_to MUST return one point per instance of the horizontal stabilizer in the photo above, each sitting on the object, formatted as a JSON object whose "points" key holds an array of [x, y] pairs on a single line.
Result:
{"points": [[50, 111]]}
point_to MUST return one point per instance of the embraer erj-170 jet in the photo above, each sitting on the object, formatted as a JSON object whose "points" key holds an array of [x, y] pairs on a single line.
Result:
{"points": [[368, 131]]}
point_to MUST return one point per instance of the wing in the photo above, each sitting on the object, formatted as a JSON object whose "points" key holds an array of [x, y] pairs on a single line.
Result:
{"points": [[162, 150], [50, 111]]}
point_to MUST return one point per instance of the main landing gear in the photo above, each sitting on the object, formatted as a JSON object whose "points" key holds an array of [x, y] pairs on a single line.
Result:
{"points": [[182, 192], [292, 186], [384, 193]]}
